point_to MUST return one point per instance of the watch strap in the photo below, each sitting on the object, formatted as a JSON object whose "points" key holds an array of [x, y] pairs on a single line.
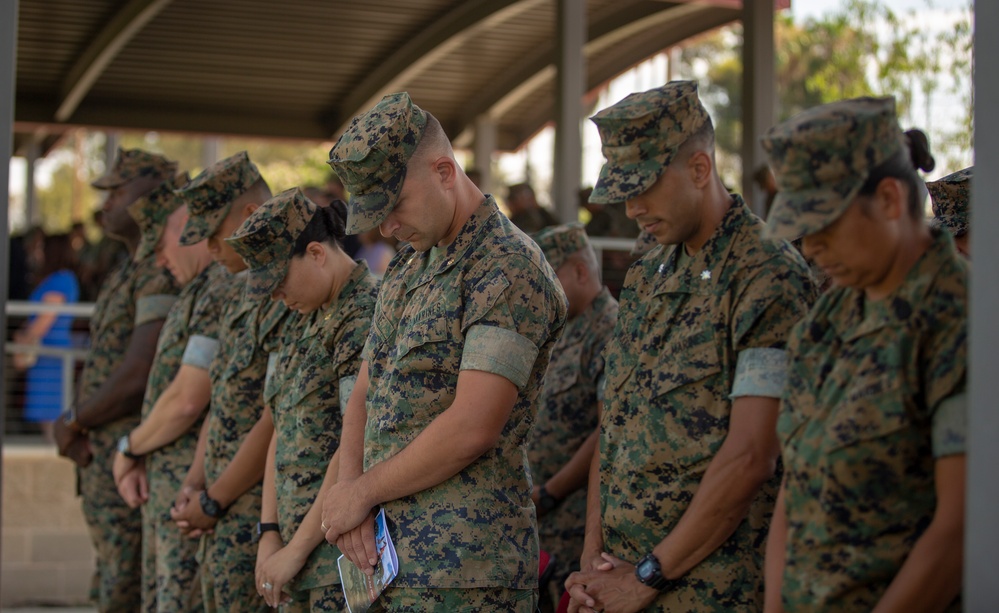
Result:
{"points": [[266, 527], [210, 506], [655, 579]]}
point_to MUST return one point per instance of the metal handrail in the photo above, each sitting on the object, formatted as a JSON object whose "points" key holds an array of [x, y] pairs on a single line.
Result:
{"points": [[68, 355], [21, 308]]}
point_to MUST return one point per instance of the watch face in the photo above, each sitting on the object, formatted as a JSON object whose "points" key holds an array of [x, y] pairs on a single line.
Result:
{"points": [[123, 444], [647, 569]]}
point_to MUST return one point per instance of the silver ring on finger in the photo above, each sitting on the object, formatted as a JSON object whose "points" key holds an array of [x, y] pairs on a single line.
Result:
{"points": [[267, 586]]}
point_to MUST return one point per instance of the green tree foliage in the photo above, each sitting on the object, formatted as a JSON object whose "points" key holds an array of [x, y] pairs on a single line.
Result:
{"points": [[862, 49]]}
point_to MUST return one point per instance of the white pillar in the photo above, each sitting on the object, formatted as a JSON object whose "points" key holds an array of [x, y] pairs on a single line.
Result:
{"points": [[210, 150], [758, 92], [571, 80], [31, 213], [111, 140], [981, 541], [8, 68], [484, 147]]}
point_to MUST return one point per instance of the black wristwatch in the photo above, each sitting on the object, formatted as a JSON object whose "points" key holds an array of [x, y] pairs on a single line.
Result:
{"points": [[650, 573], [546, 502], [125, 448], [266, 527], [210, 507]]}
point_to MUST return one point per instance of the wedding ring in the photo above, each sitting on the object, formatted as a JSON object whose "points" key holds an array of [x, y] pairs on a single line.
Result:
{"points": [[325, 529], [267, 586]]}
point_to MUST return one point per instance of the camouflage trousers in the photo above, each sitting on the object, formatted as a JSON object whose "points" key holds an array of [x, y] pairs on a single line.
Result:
{"points": [[326, 598], [492, 599], [170, 579], [115, 529], [228, 559]]}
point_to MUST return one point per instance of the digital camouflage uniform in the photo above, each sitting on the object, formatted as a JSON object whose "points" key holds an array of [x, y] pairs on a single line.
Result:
{"points": [[487, 301], [309, 382], [568, 412], [134, 293], [876, 389], [694, 333], [189, 337], [169, 571], [951, 197], [250, 329]]}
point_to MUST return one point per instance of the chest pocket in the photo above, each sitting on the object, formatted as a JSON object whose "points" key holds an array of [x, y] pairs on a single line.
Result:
{"points": [[563, 372], [427, 345], [316, 374], [692, 357], [872, 408]]}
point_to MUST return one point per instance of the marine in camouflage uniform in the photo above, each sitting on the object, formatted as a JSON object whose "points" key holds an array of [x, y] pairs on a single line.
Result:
{"points": [[485, 301], [876, 388], [951, 198], [310, 379], [697, 335], [189, 337], [136, 293], [248, 332], [568, 411]]}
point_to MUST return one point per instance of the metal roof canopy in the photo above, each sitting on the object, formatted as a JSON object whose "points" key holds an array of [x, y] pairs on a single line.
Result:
{"points": [[302, 69]]}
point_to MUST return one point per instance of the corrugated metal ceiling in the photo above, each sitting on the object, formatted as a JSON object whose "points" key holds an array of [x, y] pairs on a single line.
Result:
{"points": [[302, 68]]}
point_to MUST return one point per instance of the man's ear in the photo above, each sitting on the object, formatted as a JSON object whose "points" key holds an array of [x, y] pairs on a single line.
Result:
{"points": [[700, 166], [446, 168], [249, 207]]}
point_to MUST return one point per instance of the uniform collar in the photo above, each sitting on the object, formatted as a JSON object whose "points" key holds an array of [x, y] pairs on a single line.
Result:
{"points": [[702, 271], [860, 316], [454, 252]]}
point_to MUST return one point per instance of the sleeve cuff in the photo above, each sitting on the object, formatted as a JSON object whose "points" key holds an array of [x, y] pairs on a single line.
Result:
{"points": [[153, 308], [950, 426], [760, 371], [499, 351], [200, 351]]}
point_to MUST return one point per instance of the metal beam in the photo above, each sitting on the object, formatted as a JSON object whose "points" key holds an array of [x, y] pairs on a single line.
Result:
{"points": [[637, 25], [112, 114], [424, 48], [569, 89], [759, 101], [102, 50], [485, 146], [981, 534], [8, 70]]}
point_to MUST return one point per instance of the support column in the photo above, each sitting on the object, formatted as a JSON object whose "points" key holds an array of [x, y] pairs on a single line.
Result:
{"points": [[111, 141], [759, 88], [571, 64], [484, 147], [8, 69], [210, 150], [981, 540], [31, 213]]}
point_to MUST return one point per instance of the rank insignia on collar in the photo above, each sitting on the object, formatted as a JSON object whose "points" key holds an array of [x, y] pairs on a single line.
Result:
{"points": [[706, 275]]}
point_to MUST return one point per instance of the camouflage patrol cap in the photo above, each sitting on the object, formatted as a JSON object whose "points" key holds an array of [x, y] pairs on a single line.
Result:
{"points": [[821, 159], [559, 242], [265, 240], [371, 156], [641, 134], [152, 211], [211, 194], [951, 197], [132, 164]]}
